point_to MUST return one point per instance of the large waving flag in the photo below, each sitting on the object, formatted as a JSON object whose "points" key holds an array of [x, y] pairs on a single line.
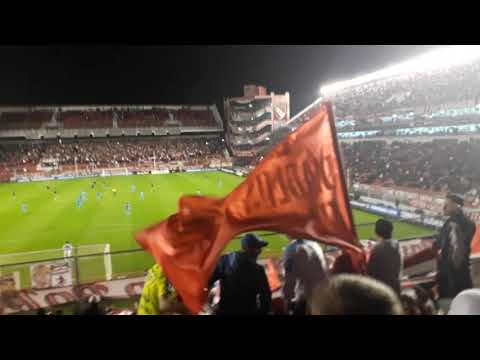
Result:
{"points": [[298, 189]]}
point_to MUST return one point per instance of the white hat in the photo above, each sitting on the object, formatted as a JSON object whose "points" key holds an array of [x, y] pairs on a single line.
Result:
{"points": [[466, 303]]}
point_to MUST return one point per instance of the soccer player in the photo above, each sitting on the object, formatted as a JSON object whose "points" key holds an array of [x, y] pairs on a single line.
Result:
{"points": [[24, 208], [99, 196], [142, 196], [79, 202], [128, 209], [114, 191], [133, 188], [153, 190], [219, 183], [67, 250], [14, 194]]}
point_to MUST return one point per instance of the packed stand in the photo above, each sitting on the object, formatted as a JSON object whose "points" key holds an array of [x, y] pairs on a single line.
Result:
{"points": [[438, 165], [111, 153], [428, 89]]}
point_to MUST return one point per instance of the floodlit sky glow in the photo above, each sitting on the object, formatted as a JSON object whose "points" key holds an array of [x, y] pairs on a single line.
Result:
{"points": [[436, 59]]}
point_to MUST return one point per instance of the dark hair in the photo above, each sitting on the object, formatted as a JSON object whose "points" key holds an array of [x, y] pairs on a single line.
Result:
{"points": [[384, 228], [457, 199], [417, 301], [90, 306], [343, 265], [354, 295]]}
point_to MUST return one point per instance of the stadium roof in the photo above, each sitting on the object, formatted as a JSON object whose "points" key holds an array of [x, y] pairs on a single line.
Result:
{"points": [[436, 59]]}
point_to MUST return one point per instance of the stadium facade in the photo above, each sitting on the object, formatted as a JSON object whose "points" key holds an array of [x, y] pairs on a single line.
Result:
{"points": [[252, 118]]}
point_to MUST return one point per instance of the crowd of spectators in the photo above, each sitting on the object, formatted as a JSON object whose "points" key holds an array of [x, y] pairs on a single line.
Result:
{"points": [[438, 165], [111, 153], [415, 90]]}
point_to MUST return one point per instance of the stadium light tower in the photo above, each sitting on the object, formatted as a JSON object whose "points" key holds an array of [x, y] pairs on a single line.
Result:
{"points": [[442, 58]]}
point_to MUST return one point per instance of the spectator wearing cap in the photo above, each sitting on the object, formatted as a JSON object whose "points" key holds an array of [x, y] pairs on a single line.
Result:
{"points": [[305, 268], [453, 243], [385, 261], [244, 287]]}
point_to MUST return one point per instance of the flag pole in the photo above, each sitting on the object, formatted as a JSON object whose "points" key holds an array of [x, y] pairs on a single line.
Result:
{"points": [[333, 129]]}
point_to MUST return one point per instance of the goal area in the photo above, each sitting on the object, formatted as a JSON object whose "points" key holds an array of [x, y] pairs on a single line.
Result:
{"points": [[54, 268]]}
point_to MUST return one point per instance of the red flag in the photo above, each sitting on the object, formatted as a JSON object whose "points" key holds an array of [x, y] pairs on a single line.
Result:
{"points": [[476, 241], [298, 189]]}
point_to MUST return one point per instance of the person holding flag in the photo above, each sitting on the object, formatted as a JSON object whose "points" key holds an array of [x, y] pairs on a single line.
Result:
{"points": [[305, 269], [158, 295], [298, 190]]}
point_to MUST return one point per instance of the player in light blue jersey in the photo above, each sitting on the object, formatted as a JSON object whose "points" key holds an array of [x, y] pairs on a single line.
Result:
{"points": [[133, 188], [219, 183], [79, 202], [142, 196], [24, 208]]}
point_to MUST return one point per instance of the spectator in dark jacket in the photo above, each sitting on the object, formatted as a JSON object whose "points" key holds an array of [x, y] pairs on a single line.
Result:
{"points": [[385, 260], [453, 242], [244, 287]]}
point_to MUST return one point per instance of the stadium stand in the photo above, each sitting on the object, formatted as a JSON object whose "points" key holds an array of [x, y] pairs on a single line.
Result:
{"points": [[68, 121], [437, 165], [111, 153]]}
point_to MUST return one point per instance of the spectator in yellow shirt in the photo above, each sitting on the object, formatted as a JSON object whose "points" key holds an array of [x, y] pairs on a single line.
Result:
{"points": [[158, 295]]}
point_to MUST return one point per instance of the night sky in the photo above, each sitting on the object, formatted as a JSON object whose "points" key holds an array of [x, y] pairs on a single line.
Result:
{"points": [[181, 74]]}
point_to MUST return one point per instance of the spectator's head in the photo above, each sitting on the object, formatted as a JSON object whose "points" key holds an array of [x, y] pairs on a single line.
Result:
{"points": [[90, 306], [354, 295], [466, 303], [410, 302], [383, 229], [41, 312], [253, 245], [343, 265], [452, 205]]}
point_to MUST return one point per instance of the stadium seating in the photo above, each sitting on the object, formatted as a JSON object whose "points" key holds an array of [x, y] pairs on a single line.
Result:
{"points": [[438, 165], [112, 153], [127, 118], [24, 120]]}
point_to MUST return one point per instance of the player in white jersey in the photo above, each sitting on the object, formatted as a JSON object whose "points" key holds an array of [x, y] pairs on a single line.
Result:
{"points": [[67, 250]]}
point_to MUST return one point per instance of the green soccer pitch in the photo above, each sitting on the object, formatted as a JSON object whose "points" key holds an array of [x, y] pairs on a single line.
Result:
{"points": [[51, 221]]}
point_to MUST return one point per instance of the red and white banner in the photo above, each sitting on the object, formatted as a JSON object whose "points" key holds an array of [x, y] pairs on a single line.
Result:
{"points": [[31, 300]]}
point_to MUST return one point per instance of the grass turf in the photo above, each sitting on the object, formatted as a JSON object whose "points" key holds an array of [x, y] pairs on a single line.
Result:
{"points": [[50, 222]]}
